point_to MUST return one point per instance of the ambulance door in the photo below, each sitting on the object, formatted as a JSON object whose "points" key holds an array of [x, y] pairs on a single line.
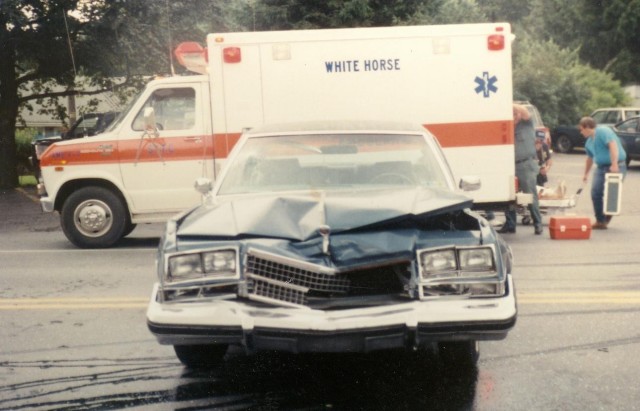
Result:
{"points": [[159, 168]]}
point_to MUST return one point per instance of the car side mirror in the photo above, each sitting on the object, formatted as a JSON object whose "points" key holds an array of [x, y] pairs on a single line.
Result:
{"points": [[470, 183]]}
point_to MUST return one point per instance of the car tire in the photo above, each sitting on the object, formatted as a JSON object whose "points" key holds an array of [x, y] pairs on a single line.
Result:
{"points": [[93, 217], [459, 354], [564, 144], [201, 356]]}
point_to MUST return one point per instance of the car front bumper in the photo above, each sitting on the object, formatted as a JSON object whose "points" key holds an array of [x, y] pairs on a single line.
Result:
{"points": [[405, 325]]}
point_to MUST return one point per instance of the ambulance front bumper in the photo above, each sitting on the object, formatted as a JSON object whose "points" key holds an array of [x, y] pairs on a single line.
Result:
{"points": [[405, 325], [47, 204]]}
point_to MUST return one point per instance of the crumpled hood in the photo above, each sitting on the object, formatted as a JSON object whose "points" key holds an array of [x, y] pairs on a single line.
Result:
{"points": [[298, 216]]}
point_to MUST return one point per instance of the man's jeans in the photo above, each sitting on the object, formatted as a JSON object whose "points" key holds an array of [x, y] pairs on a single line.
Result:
{"points": [[526, 173], [597, 189]]}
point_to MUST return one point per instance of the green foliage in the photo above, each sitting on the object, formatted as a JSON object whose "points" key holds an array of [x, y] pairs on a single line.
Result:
{"points": [[563, 88], [459, 11], [543, 74], [293, 14], [603, 90], [24, 137]]}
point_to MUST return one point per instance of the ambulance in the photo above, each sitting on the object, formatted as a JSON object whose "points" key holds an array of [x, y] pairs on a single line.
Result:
{"points": [[454, 80]]}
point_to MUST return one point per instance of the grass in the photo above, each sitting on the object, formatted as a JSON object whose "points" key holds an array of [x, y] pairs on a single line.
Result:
{"points": [[27, 180]]}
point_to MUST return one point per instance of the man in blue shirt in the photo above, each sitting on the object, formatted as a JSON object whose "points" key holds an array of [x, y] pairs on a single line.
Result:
{"points": [[603, 148]]}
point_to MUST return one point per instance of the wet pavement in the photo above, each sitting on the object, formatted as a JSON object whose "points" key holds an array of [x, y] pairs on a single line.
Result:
{"points": [[20, 211]]}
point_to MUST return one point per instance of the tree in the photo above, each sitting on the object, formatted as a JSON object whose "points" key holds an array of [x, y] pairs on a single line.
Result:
{"points": [[296, 14], [606, 34], [120, 39]]}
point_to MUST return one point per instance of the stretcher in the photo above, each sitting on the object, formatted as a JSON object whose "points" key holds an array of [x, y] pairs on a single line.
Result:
{"points": [[551, 201]]}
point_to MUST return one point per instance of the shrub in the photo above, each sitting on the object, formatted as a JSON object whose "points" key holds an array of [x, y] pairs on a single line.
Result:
{"points": [[23, 151]]}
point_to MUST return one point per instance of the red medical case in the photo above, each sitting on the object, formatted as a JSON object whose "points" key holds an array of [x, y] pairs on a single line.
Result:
{"points": [[569, 227]]}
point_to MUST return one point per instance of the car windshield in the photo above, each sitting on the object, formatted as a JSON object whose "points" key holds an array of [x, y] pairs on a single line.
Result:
{"points": [[333, 161]]}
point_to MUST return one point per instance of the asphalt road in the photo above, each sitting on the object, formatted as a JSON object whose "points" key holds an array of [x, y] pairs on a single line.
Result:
{"points": [[73, 332]]}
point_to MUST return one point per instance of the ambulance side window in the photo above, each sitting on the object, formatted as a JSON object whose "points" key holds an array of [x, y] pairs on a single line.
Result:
{"points": [[174, 109]]}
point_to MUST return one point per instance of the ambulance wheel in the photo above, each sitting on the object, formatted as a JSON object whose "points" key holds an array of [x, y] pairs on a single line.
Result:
{"points": [[526, 220], [201, 356], [93, 217], [129, 228]]}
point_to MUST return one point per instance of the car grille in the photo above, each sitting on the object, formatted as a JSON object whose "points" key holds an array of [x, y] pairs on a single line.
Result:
{"points": [[277, 281]]}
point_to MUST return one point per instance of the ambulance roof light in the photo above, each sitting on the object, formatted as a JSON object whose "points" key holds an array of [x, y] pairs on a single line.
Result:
{"points": [[192, 56], [495, 42]]}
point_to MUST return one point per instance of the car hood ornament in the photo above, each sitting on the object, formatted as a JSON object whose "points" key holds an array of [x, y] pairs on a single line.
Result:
{"points": [[325, 231]]}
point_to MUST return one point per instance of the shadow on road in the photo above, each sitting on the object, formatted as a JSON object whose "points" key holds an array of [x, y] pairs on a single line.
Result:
{"points": [[385, 380]]}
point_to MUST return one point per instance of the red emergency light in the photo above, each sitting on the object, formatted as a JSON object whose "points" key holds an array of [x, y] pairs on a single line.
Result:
{"points": [[495, 42], [192, 56], [232, 55]]}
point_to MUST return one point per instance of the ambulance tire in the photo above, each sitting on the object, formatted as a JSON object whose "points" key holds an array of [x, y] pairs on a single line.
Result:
{"points": [[129, 227], [93, 217]]}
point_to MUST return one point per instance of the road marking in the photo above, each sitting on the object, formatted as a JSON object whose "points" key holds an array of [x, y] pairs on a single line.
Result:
{"points": [[85, 303], [580, 297], [523, 298]]}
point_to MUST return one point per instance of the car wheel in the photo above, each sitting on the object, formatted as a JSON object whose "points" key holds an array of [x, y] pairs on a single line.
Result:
{"points": [[459, 354], [564, 144], [93, 217], [201, 356]]}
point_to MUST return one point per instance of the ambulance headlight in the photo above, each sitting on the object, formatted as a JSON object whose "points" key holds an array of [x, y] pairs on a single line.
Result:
{"points": [[210, 264]]}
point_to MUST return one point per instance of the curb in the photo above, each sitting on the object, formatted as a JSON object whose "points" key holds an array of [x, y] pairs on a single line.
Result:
{"points": [[30, 196]]}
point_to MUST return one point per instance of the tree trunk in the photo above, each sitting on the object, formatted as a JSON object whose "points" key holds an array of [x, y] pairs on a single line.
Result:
{"points": [[8, 113]]}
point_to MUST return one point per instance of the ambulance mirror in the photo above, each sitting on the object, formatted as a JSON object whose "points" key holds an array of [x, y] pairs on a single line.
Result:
{"points": [[150, 119], [203, 185], [470, 183]]}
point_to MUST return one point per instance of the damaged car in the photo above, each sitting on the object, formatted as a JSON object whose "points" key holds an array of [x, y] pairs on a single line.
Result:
{"points": [[332, 237]]}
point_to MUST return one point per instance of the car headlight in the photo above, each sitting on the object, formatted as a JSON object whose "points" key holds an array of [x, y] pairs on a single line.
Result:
{"points": [[478, 260], [459, 271], [203, 264], [438, 263]]}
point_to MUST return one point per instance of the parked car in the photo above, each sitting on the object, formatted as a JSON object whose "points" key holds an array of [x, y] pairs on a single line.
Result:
{"points": [[87, 125], [566, 138], [542, 131], [629, 133], [332, 237]]}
